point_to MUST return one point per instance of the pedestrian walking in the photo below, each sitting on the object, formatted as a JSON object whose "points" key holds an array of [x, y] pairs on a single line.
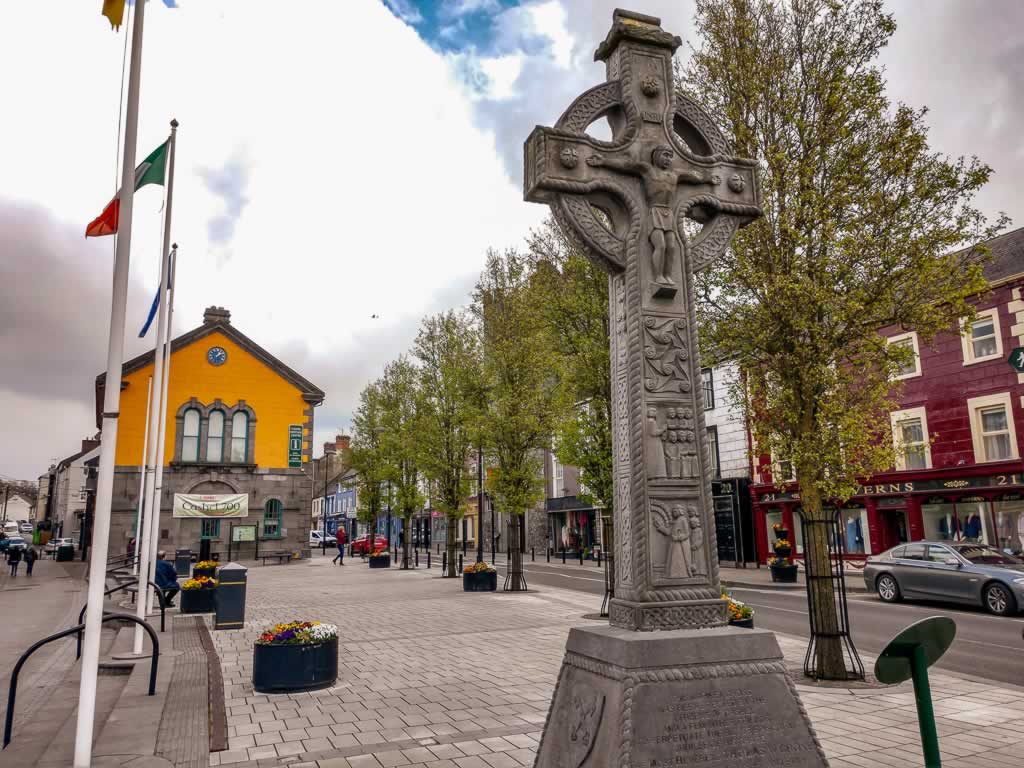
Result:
{"points": [[341, 541], [30, 560], [13, 558]]}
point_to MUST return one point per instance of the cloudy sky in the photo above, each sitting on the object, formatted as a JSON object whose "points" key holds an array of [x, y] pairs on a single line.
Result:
{"points": [[338, 160]]}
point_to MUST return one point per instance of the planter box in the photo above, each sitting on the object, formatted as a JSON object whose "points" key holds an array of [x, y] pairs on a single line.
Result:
{"points": [[783, 573], [198, 600], [480, 582], [209, 572], [287, 668], [383, 561], [782, 533], [783, 552], [744, 623]]}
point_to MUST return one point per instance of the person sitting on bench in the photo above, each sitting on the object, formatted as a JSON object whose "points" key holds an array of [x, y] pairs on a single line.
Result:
{"points": [[166, 579]]}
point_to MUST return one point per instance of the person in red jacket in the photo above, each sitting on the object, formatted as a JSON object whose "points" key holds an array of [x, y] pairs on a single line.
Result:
{"points": [[342, 540]]}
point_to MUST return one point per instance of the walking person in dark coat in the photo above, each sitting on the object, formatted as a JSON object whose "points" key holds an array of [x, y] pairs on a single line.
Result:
{"points": [[13, 558], [30, 560]]}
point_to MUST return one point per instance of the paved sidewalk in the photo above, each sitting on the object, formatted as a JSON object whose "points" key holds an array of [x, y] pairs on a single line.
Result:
{"points": [[432, 677]]}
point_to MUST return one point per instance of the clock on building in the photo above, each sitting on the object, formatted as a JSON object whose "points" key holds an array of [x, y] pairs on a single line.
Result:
{"points": [[217, 356]]}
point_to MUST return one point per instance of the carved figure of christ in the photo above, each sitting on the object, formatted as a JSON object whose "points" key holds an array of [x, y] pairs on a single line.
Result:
{"points": [[661, 178]]}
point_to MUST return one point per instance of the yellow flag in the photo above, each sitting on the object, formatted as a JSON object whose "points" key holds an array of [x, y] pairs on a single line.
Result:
{"points": [[114, 10]]}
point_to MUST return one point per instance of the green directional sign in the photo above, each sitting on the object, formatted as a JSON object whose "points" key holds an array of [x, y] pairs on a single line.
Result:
{"points": [[295, 445], [1016, 359]]}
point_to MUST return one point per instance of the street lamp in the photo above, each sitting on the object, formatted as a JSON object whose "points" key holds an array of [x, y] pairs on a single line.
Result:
{"points": [[480, 505]]}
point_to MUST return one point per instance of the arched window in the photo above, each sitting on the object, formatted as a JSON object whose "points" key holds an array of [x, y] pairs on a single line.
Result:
{"points": [[240, 437], [272, 519], [215, 436], [190, 436]]}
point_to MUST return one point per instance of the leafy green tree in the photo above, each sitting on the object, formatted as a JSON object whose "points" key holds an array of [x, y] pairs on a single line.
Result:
{"points": [[571, 294], [522, 390], [865, 227], [448, 351], [367, 457], [400, 442]]}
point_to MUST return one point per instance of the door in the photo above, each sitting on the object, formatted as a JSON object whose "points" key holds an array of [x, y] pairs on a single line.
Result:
{"points": [[911, 570], [946, 582]]}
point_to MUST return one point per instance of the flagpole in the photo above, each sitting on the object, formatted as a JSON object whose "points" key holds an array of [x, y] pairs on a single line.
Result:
{"points": [[155, 536], [152, 501], [142, 481], [111, 404]]}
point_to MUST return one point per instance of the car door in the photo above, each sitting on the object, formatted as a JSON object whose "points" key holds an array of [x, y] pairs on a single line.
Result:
{"points": [[910, 570], [944, 581]]}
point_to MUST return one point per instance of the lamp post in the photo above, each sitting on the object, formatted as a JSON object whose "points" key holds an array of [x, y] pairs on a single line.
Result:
{"points": [[323, 509], [480, 505]]}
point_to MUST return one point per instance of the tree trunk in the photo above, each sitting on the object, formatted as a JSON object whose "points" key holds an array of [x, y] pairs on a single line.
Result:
{"points": [[406, 538], [450, 547], [514, 580], [829, 649]]}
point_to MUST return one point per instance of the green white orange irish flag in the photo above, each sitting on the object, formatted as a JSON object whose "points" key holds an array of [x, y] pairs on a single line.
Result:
{"points": [[150, 171]]}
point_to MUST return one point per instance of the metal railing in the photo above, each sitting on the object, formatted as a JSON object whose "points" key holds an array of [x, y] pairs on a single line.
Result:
{"points": [[118, 588], [12, 690]]}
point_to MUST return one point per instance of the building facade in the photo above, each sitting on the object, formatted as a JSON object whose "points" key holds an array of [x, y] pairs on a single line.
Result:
{"points": [[957, 433], [237, 449], [68, 490]]}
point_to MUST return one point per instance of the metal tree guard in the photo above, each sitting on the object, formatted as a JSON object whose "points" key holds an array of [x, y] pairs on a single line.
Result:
{"points": [[515, 581], [813, 528]]}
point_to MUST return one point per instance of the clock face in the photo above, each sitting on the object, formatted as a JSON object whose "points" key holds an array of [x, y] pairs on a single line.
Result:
{"points": [[217, 356]]}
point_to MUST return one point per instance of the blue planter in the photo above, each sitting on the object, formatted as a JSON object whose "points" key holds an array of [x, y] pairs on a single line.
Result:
{"points": [[480, 582], [198, 600], [288, 668], [384, 561]]}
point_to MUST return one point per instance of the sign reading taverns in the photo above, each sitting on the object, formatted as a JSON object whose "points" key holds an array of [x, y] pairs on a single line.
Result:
{"points": [[695, 692]]}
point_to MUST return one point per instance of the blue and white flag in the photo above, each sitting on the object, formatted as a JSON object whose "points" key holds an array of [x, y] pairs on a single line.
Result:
{"points": [[156, 299]]}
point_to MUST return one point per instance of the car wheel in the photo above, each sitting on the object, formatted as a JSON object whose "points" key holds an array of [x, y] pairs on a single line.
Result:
{"points": [[887, 588], [999, 601]]}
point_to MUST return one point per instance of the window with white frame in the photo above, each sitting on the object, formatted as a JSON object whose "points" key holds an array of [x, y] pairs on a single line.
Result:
{"points": [[982, 338], [910, 437], [992, 428], [912, 366], [786, 472], [557, 477]]}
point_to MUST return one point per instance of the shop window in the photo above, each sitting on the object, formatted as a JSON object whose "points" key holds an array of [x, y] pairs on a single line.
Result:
{"points": [[272, 519], [190, 436], [853, 525], [992, 428], [713, 457], [240, 437], [210, 529], [982, 338], [1010, 526], [707, 378], [963, 521], [910, 437], [215, 436], [912, 366]]}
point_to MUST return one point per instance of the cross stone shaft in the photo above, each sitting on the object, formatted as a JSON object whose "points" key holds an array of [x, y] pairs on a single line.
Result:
{"points": [[626, 202]]}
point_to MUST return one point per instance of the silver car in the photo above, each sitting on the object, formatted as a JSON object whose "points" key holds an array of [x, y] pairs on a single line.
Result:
{"points": [[958, 572]]}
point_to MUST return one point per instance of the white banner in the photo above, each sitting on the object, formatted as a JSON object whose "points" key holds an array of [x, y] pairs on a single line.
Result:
{"points": [[211, 505]]}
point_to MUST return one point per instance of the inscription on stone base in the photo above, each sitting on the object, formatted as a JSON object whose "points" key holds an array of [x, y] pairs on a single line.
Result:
{"points": [[720, 723]]}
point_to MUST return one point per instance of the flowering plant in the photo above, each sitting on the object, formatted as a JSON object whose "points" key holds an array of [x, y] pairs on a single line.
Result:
{"points": [[779, 527], [480, 567], [203, 582], [207, 564], [380, 553], [298, 633], [782, 543], [737, 610]]}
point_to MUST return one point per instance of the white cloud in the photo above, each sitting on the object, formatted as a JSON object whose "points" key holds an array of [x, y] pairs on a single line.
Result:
{"points": [[367, 187]]}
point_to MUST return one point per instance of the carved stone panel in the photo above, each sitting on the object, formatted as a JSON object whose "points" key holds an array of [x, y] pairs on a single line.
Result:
{"points": [[670, 443], [678, 543], [666, 355]]}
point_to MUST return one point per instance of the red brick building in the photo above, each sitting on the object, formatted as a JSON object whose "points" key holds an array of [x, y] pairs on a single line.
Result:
{"points": [[960, 431]]}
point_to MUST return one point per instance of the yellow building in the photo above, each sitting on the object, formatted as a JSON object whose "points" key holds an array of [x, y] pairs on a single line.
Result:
{"points": [[238, 439]]}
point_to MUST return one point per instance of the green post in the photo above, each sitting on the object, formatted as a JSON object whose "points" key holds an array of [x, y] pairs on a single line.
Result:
{"points": [[925, 713]]}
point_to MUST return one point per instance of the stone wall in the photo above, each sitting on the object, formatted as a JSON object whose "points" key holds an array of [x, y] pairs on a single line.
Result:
{"points": [[289, 486]]}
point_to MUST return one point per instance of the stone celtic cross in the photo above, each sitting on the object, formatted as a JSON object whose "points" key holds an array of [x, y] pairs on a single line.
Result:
{"points": [[626, 202]]}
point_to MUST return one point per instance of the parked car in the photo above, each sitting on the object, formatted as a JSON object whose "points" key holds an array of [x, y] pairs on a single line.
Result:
{"points": [[25, 527], [959, 572], [361, 546], [315, 537], [15, 542], [52, 544]]}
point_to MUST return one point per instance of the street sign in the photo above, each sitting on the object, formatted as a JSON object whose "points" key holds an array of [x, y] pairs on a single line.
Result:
{"points": [[1016, 359], [908, 656], [295, 445]]}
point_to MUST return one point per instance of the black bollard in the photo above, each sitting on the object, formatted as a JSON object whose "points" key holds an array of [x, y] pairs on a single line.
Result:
{"points": [[428, 558], [460, 563], [533, 554], [599, 558], [444, 562], [563, 555], [581, 557], [549, 554]]}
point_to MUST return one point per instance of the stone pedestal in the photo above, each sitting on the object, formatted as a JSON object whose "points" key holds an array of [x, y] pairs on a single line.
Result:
{"points": [[713, 698]]}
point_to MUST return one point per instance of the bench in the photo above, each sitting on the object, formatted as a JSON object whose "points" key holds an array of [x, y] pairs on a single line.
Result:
{"points": [[281, 557], [133, 590]]}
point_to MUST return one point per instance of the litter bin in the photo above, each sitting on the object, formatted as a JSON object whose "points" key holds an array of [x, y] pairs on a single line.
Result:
{"points": [[229, 602], [182, 561], [65, 553]]}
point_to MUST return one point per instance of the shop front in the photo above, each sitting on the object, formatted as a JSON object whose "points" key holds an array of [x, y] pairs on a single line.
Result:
{"points": [[983, 504], [572, 524]]}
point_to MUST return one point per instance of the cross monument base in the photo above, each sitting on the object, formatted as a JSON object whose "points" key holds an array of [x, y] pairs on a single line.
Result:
{"points": [[710, 698]]}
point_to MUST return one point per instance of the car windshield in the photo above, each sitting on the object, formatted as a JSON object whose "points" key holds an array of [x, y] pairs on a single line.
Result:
{"points": [[987, 555]]}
